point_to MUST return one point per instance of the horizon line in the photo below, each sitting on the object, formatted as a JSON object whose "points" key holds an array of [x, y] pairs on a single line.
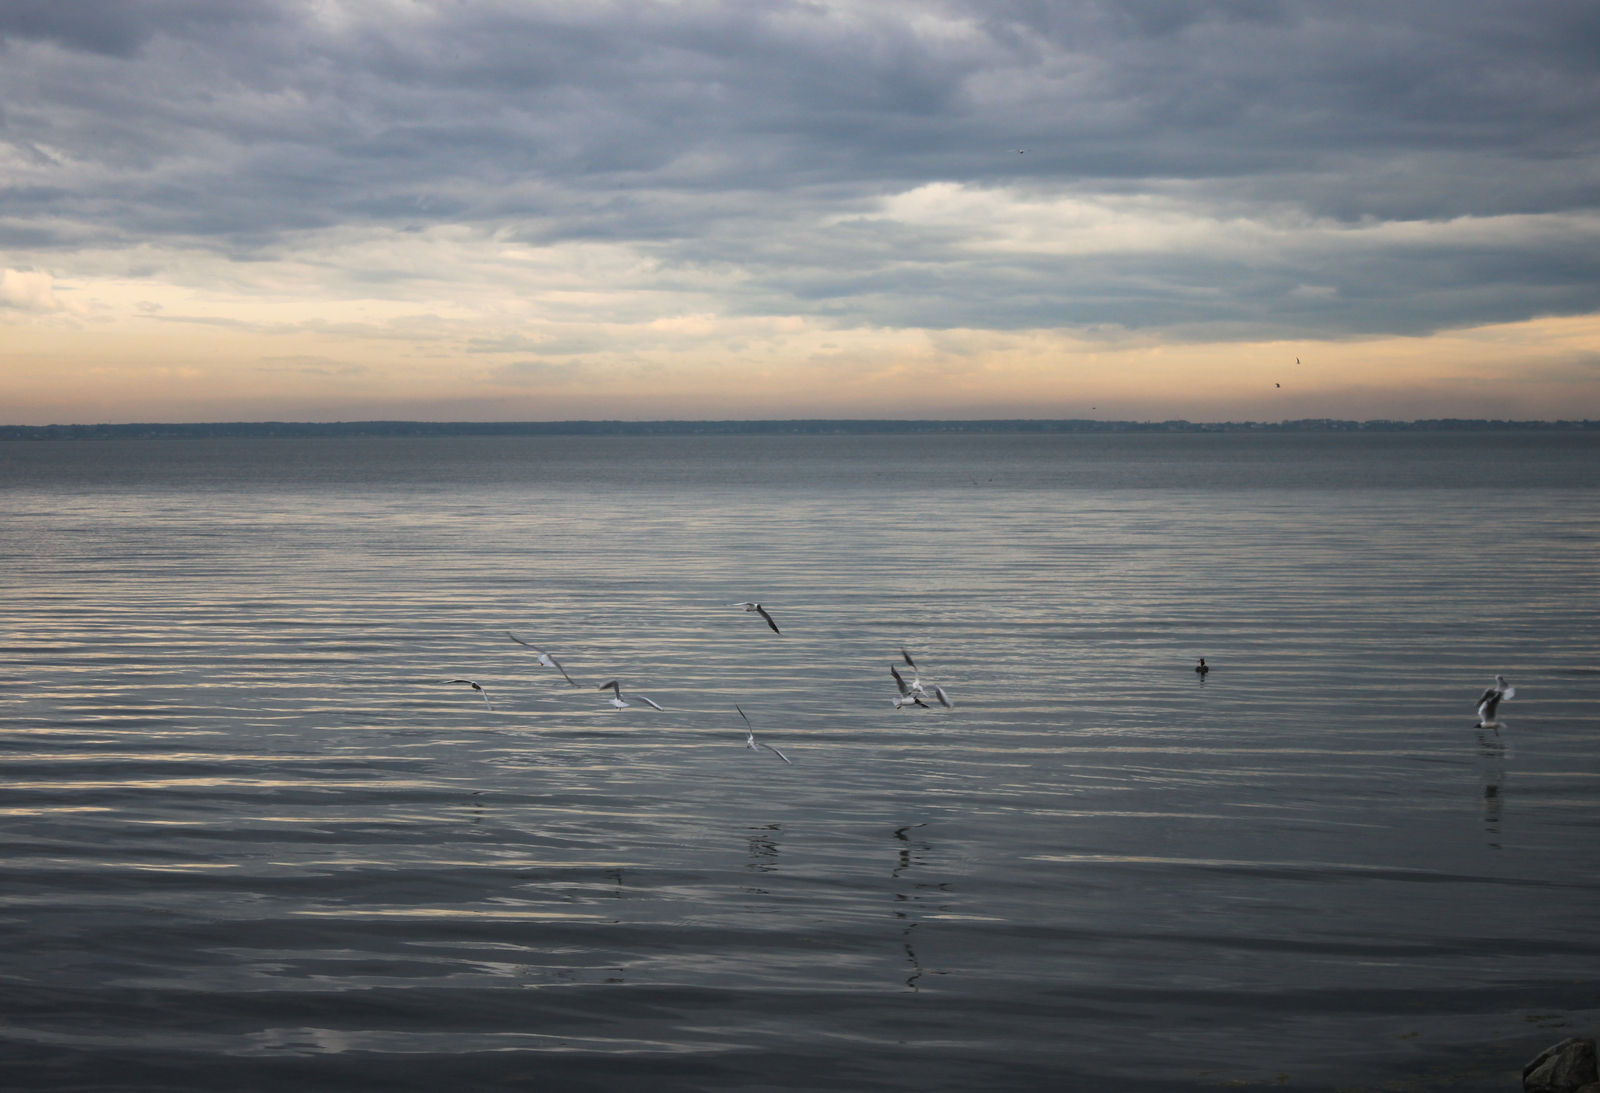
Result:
{"points": [[737, 426]]}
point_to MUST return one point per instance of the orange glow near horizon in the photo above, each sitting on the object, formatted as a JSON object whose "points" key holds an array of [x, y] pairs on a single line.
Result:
{"points": [[64, 367]]}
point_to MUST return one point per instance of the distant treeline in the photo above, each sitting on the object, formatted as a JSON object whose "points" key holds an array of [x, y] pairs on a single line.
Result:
{"points": [[819, 426]]}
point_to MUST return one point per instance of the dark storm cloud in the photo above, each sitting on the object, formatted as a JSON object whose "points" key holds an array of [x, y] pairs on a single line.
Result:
{"points": [[742, 137], [117, 28]]}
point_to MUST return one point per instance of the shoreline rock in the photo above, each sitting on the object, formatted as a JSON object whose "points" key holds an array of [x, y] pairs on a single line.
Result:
{"points": [[1567, 1067]]}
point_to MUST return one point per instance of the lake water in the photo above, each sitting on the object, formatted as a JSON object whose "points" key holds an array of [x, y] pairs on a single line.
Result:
{"points": [[255, 843]]}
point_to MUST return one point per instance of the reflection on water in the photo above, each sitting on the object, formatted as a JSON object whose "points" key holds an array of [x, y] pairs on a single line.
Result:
{"points": [[764, 849], [244, 820], [1492, 762], [906, 847], [911, 955]]}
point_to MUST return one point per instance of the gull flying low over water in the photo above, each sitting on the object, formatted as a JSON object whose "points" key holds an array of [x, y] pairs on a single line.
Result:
{"points": [[544, 658], [916, 676], [915, 686], [754, 745], [758, 609], [476, 687], [1490, 700], [618, 701], [908, 697]]}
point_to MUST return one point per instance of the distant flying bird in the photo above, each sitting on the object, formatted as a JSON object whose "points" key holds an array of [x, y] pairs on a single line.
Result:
{"points": [[1020, 151], [544, 658], [758, 609], [751, 742], [475, 687], [1202, 669], [1297, 360], [1490, 701], [907, 696], [618, 701], [1277, 385]]}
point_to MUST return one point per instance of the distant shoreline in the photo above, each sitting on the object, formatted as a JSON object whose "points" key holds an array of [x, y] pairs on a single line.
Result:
{"points": [[262, 430]]}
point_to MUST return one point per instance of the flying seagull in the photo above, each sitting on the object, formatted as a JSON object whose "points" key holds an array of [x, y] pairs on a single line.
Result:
{"points": [[758, 609], [908, 697], [915, 686], [618, 701], [475, 687], [1490, 700], [916, 677], [751, 743], [544, 658], [1202, 669], [1020, 151]]}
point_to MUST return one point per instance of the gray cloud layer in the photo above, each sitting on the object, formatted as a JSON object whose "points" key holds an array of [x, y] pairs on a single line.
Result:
{"points": [[761, 138]]}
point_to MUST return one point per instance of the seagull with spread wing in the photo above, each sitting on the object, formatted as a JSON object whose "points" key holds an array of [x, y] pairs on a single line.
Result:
{"points": [[1490, 700], [916, 677], [618, 701], [754, 745], [544, 658], [475, 686], [908, 697], [758, 609], [915, 686]]}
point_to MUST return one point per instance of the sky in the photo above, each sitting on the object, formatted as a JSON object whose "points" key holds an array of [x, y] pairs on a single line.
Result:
{"points": [[477, 210]]}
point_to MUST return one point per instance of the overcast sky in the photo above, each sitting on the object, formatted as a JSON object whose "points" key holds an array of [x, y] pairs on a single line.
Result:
{"points": [[887, 208]]}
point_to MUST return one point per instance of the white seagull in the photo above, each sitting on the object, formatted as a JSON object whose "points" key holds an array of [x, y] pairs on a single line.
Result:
{"points": [[1490, 700], [908, 697], [915, 686], [618, 701], [751, 742], [758, 609], [916, 676], [475, 686], [544, 658]]}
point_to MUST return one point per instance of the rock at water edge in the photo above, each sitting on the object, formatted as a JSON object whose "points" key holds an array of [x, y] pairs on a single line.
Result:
{"points": [[1562, 1068]]}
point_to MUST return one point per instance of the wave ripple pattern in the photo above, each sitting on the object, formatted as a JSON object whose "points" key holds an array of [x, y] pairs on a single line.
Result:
{"points": [[254, 844]]}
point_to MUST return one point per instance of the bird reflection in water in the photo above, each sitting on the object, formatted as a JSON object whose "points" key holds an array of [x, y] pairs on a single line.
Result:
{"points": [[906, 861], [911, 955], [905, 904], [1492, 768], [763, 851]]}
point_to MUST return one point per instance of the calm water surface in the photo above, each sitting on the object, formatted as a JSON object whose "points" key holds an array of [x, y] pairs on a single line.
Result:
{"points": [[253, 843]]}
